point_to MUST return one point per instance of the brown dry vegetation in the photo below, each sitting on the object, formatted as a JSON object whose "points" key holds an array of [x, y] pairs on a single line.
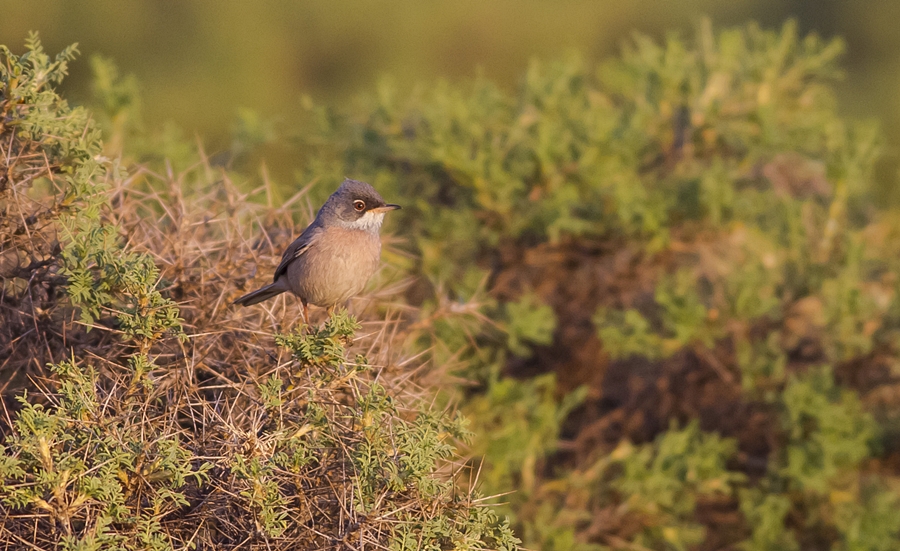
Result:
{"points": [[142, 410], [211, 246], [29, 251]]}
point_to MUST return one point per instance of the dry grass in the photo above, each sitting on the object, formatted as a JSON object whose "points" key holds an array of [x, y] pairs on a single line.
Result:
{"points": [[212, 244], [30, 205]]}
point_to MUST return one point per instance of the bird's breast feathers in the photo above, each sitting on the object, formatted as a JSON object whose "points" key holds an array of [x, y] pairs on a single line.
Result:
{"points": [[336, 267]]}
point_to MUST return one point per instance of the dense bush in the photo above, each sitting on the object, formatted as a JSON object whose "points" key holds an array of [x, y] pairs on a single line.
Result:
{"points": [[681, 235], [164, 426]]}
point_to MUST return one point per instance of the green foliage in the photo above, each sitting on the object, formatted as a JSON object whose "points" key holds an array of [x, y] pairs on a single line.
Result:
{"points": [[827, 429], [761, 363], [117, 105], [529, 322], [88, 462], [872, 520], [48, 164], [90, 466], [628, 333], [683, 317], [323, 345], [31, 106], [523, 419], [766, 514], [392, 459], [683, 313], [664, 480], [118, 453], [572, 154], [101, 278], [653, 487], [723, 161], [829, 435]]}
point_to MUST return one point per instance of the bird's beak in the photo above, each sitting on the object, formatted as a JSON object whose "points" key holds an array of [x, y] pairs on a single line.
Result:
{"points": [[386, 208]]}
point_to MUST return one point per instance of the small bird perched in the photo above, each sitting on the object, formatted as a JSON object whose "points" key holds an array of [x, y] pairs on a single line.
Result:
{"points": [[336, 255]]}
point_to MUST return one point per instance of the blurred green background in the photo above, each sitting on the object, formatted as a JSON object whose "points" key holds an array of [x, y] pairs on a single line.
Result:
{"points": [[198, 61]]}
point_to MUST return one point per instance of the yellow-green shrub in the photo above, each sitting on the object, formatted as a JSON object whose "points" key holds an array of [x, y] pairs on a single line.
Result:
{"points": [[156, 426]]}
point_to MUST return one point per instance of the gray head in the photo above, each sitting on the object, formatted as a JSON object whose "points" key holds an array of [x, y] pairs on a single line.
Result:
{"points": [[355, 205]]}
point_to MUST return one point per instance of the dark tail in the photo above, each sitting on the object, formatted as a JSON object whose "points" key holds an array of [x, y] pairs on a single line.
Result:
{"points": [[261, 294]]}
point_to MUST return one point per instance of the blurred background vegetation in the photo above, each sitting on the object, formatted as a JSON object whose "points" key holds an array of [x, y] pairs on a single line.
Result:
{"points": [[199, 61]]}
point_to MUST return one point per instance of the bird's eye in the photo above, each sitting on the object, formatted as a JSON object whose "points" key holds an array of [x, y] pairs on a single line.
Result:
{"points": [[359, 205]]}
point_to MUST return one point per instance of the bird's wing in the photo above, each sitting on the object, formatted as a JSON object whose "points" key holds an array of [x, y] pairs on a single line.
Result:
{"points": [[297, 248]]}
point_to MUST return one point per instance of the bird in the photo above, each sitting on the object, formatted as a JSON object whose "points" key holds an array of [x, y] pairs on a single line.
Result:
{"points": [[336, 254]]}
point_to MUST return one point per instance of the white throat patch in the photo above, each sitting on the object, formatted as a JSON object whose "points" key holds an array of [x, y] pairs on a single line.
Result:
{"points": [[370, 221]]}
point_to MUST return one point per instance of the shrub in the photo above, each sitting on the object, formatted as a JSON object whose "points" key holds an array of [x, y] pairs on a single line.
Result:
{"points": [[49, 169], [699, 202], [170, 425]]}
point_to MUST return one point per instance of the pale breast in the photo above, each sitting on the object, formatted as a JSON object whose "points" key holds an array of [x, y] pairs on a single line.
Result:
{"points": [[336, 267]]}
